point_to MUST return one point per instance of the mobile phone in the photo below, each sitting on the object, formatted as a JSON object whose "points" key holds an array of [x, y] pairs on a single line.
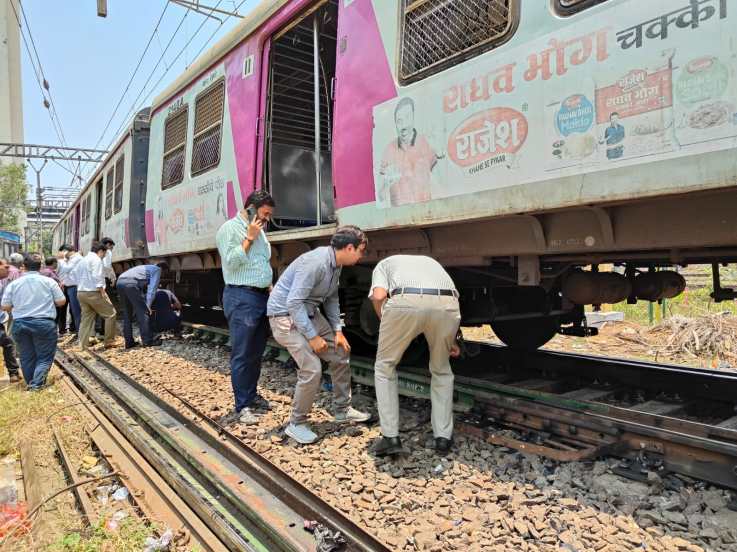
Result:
{"points": [[251, 214]]}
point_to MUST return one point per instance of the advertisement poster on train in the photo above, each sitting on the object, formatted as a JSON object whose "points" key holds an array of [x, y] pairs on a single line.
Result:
{"points": [[634, 110], [654, 82]]}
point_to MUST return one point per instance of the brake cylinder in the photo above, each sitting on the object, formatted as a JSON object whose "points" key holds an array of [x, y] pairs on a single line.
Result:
{"points": [[596, 288], [654, 286]]}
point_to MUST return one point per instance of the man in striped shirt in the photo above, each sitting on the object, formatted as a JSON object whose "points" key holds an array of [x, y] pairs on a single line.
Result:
{"points": [[245, 255], [413, 295]]}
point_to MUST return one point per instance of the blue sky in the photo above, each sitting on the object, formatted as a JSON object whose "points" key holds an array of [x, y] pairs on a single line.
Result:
{"points": [[89, 60]]}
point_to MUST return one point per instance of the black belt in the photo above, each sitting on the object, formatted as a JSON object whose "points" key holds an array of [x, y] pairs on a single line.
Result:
{"points": [[423, 291], [264, 291]]}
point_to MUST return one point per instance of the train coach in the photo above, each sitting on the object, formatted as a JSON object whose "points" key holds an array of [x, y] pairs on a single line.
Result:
{"points": [[524, 144]]}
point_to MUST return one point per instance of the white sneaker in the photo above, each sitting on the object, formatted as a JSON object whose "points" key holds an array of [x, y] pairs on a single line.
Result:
{"points": [[248, 417], [301, 433], [351, 415]]}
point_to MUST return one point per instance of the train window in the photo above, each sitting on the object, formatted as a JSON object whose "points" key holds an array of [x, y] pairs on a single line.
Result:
{"points": [[109, 195], [439, 33], [84, 226], [119, 174], [569, 7], [175, 142], [208, 118]]}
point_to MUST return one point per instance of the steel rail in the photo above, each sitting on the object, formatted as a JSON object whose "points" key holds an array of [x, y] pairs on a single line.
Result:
{"points": [[151, 493], [273, 503], [699, 450], [200, 498]]}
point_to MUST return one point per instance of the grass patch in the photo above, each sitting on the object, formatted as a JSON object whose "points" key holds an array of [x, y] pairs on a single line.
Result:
{"points": [[130, 535], [18, 410]]}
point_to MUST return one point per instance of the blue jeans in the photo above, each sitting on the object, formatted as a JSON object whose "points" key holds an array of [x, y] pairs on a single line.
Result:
{"points": [[71, 293], [132, 297], [36, 341], [245, 310]]}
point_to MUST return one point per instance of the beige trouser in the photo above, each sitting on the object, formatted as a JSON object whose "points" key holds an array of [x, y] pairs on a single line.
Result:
{"points": [[405, 317], [310, 368], [93, 303]]}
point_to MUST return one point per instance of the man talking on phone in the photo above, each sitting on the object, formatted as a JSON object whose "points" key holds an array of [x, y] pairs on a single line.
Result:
{"points": [[245, 255]]}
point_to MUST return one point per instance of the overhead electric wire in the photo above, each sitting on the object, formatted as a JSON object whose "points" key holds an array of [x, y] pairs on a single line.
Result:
{"points": [[135, 72], [136, 106]]}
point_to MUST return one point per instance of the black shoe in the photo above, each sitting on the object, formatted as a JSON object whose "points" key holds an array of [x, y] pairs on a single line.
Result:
{"points": [[259, 403], [388, 446], [133, 345], [155, 343], [443, 445]]}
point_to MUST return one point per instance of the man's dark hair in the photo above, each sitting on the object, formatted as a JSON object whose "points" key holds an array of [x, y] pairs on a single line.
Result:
{"points": [[612, 114], [163, 265], [97, 246], [259, 198], [348, 235], [404, 102], [50, 261], [107, 242], [66, 247], [32, 262]]}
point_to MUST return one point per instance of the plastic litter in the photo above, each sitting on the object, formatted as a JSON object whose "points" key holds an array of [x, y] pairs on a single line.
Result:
{"points": [[113, 523], [103, 493], [327, 541], [439, 468], [154, 544], [12, 515], [89, 462], [121, 494]]}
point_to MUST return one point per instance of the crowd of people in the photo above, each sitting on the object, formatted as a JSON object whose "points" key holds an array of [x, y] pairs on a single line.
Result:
{"points": [[44, 298], [411, 294]]}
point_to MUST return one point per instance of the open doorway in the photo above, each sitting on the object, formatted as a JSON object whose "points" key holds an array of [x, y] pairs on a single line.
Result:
{"points": [[98, 210], [300, 119]]}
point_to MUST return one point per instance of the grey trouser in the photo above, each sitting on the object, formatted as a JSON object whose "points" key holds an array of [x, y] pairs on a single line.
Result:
{"points": [[92, 303], [405, 317], [310, 369]]}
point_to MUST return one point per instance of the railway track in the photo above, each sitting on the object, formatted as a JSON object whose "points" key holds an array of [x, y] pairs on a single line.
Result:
{"points": [[241, 501], [661, 418]]}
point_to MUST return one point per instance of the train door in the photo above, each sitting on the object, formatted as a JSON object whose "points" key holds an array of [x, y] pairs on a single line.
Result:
{"points": [[77, 215], [99, 198], [299, 118]]}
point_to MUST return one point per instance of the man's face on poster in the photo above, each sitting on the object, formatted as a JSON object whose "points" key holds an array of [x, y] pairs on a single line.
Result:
{"points": [[405, 121], [614, 119]]}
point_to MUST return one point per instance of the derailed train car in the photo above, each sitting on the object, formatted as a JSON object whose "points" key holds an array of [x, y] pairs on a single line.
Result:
{"points": [[514, 141]]}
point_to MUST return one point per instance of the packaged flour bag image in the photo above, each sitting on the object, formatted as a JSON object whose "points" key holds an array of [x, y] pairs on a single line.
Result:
{"points": [[570, 124], [634, 110], [706, 94]]}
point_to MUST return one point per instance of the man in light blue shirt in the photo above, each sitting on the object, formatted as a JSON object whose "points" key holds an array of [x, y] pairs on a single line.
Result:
{"points": [[245, 255], [299, 326], [32, 300], [136, 289]]}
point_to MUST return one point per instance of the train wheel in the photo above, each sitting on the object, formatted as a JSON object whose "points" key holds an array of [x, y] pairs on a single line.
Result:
{"points": [[526, 333]]}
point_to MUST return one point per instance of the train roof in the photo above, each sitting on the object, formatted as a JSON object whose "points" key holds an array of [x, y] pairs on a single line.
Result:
{"points": [[250, 22]]}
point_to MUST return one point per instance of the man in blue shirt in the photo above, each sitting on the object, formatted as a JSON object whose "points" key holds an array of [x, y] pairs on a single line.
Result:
{"points": [[245, 255], [294, 314], [136, 289], [614, 138], [33, 300], [167, 311]]}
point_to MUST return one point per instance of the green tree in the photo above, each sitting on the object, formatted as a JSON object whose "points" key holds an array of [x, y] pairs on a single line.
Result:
{"points": [[13, 192]]}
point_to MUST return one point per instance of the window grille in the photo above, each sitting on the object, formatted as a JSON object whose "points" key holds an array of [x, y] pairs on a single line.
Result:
{"points": [[175, 141], [119, 174], [109, 195], [438, 33], [208, 119]]}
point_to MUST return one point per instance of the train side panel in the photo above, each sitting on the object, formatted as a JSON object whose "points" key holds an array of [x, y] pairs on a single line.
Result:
{"points": [[570, 111]]}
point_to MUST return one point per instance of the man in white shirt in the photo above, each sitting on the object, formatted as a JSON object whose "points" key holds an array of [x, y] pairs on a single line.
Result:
{"points": [[33, 300], [6, 343], [69, 260], [107, 261], [93, 298]]}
